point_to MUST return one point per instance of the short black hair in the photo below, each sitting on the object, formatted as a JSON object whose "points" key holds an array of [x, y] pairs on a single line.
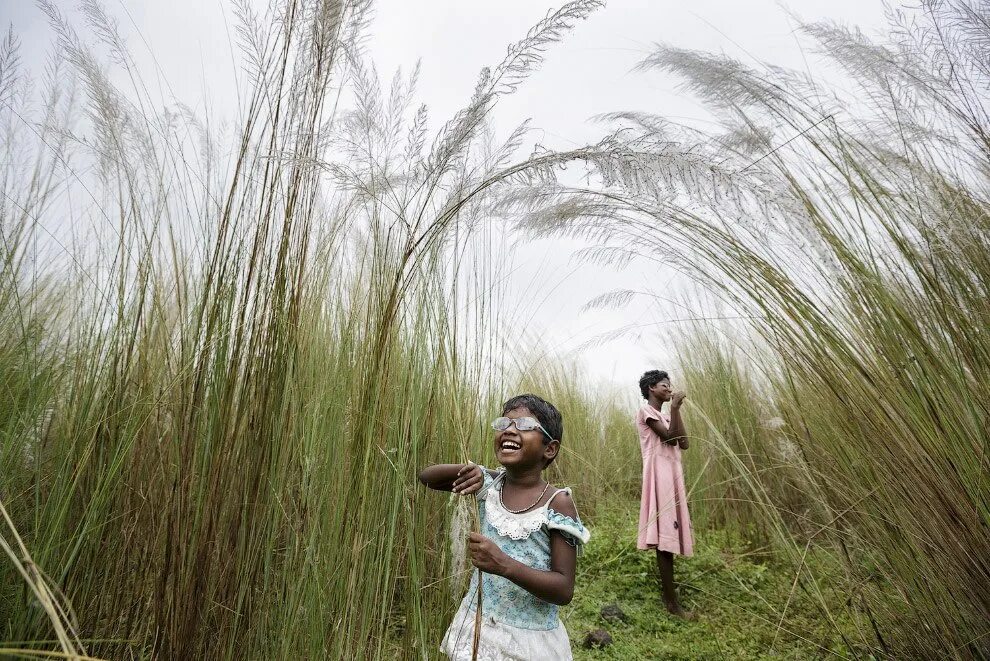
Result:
{"points": [[545, 412], [650, 379]]}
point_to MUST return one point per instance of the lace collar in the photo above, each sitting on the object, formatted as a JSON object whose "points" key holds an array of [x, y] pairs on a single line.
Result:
{"points": [[513, 526]]}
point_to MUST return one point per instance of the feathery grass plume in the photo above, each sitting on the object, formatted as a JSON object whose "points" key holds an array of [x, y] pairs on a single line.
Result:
{"points": [[446, 186], [9, 66], [856, 243], [459, 528], [243, 345]]}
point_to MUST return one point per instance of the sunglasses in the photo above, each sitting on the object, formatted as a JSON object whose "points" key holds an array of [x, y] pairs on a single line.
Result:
{"points": [[522, 424]]}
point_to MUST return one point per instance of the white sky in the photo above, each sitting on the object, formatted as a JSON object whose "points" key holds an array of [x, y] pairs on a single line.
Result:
{"points": [[589, 73]]}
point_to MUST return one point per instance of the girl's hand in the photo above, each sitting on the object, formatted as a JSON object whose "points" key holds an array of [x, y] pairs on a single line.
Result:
{"points": [[486, 555], [677, 398], [469, 480]]}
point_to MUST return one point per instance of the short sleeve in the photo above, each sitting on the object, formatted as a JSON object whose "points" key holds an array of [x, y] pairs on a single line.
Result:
{"points": [[649, 413], [573, 530], [489, 481]]}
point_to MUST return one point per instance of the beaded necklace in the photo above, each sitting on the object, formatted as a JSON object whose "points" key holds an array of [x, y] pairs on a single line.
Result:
{"points": [[520, 511]]}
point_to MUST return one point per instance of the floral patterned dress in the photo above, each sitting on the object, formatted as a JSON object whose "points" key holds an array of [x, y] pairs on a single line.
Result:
{"points": [[515, 624]]}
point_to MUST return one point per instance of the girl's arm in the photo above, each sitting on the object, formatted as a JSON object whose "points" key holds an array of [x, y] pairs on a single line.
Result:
{"points": [[676, 434], [555, 585], [460, 478]]}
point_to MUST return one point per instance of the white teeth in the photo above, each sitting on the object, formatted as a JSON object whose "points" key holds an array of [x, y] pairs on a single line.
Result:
{"points": [[509, 445]]}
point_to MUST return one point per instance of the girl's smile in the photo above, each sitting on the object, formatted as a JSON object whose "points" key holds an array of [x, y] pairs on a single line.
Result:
{"points": [[508, 446]]}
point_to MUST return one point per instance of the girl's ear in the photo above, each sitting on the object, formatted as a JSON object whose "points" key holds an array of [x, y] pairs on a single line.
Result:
{"points": [[551, 449]]}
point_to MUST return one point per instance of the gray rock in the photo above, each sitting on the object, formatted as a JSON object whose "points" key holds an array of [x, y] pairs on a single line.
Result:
{"points": [[597, 639], [612, 613]]}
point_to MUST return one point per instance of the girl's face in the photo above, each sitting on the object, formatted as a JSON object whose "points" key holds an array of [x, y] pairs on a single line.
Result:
{"points": [[662, 390], [522, 448]]}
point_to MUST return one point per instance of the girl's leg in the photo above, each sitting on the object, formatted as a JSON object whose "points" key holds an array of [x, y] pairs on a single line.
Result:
{"points": [[665, 563]]}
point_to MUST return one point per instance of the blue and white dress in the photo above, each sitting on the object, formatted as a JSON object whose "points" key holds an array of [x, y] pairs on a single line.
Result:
{"points": [[515, 623]]}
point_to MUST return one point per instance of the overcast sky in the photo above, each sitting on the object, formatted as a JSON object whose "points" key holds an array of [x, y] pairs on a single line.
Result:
{"points": [[183, 47]]}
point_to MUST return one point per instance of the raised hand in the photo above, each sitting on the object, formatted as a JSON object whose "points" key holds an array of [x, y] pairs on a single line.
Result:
{"points": [[677, 398], [469, 480]]}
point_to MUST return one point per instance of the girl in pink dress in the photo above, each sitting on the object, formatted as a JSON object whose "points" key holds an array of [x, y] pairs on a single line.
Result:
{"points": [[664, 524]]}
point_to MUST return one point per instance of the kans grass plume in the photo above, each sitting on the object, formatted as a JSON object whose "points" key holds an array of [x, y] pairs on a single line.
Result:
{"points": [[248, 340], [850, 234]]}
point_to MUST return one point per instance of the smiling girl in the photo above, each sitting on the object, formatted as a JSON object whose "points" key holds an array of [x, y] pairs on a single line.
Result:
{"points": [[527, 547]]}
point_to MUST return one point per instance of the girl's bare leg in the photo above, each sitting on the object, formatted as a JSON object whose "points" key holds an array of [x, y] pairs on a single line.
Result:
{"points": [[665, 564]]}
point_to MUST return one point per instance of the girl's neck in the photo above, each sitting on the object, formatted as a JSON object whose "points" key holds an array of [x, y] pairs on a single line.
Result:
{"points": [[525, 477], [654, 402]]}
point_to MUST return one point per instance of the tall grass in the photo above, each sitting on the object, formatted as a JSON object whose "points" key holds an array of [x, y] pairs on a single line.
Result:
{"points": [[216, 401], [739, 448], [599, 456], [853, 230]]}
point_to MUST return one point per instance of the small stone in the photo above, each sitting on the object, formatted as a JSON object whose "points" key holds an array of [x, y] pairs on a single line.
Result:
{"points": [[597, 639], [612, 613]]}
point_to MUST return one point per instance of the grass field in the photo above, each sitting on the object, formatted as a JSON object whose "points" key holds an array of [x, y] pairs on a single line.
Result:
{"points": [[748, 604], [225, 355]]}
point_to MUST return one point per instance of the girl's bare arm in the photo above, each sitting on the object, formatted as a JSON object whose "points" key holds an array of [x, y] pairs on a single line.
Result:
{"points": [[459, 478], [676, 434], [555, 585]]}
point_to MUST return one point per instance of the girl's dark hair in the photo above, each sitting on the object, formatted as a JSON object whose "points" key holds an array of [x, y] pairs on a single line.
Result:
{"points": [[545, 412], [650, 379]]}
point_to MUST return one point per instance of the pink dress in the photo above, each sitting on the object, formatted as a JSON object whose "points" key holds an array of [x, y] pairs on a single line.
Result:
{"points": [[664, 523]]}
